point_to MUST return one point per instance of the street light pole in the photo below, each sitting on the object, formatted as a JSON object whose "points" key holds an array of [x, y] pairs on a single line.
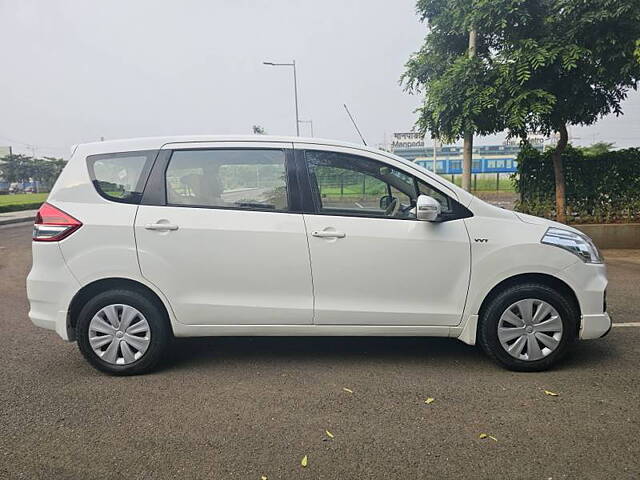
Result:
{"points": [[295, 87], [295, 93]]}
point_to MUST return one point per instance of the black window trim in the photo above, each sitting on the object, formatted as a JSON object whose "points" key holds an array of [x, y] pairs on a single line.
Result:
{"points": [[155, 192], [151, 155], [310, 201]]}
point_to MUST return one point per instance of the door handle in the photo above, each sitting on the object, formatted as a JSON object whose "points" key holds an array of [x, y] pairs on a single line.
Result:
{"points": [[328, 234], [161, 227]]}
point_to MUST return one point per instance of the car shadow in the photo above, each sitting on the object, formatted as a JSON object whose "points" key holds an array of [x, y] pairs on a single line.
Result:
{"points": [[206, 351], [592, 353], [190, 351]]}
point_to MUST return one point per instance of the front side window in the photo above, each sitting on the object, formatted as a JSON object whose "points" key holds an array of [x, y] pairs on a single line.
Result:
{"points": [[250, 179], [345, 184], [120, 176]]}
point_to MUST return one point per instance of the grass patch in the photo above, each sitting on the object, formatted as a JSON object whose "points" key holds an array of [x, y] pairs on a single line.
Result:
{"points": [[21, 201], [486, 182]]}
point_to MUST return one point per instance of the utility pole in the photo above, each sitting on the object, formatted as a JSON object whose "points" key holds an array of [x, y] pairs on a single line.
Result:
{"points": [[467, 146]]}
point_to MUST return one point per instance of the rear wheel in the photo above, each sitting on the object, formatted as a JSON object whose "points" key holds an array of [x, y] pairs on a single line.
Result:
{"points": [[122, 332], [528, 327]]}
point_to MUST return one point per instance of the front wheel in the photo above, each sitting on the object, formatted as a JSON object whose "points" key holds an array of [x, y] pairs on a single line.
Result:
{"points": [[122, 332], [528, 327]]}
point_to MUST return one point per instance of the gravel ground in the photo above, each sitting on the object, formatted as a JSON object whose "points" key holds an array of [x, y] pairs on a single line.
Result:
{"points": [[240, 408]]}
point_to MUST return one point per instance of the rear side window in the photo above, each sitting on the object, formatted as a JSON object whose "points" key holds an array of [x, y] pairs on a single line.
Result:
{"points": [[120, 176], [248, 179]]}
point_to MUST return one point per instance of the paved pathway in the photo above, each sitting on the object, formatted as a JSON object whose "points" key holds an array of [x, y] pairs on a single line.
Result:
{"points": [[17, 217]]}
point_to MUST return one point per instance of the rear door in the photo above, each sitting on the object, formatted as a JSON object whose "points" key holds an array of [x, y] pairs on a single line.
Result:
{"points": [[220, 233]]}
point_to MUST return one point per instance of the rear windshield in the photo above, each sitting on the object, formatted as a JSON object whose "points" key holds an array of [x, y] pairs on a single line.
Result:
{"points": [[120, 176]]}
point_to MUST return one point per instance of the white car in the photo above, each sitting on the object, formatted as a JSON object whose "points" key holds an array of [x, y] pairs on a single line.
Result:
{"points": [[141, 240]]}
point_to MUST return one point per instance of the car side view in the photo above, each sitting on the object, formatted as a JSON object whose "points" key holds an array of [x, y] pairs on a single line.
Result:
{"points": [[142, 240]]}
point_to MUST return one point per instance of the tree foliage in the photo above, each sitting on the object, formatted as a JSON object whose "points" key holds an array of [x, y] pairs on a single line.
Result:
{"points": [[459, 92], [23, 168], [597, 148], [541, 65]]}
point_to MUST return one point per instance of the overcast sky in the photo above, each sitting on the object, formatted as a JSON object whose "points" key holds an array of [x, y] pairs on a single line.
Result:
{"points": [[75, 71]]}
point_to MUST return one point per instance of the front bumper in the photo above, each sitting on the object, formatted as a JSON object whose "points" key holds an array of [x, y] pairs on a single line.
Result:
{"points": [[595, 326], [589, 283]]}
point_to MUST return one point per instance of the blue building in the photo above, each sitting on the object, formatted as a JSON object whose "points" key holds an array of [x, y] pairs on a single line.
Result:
{"points": [[486, 158]]}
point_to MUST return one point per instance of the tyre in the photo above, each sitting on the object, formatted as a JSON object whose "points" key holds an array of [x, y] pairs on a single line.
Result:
{"points": [[528, 327], [122, 332]]}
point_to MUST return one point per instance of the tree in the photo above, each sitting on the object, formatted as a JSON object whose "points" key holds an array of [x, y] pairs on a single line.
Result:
{"points": [[22, 168], [570, 62], [16, 167], [551, 63], [453, 69]]}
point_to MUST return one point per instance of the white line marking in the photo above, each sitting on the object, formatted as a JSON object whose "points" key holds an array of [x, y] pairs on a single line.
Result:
{"points": [[627, 324]]}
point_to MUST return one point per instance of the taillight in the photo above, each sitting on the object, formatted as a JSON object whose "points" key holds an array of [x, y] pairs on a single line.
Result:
{"points": [[52, 224]]}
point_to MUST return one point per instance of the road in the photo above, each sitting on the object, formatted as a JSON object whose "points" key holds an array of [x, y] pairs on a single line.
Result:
{"points": [[240, 408]]}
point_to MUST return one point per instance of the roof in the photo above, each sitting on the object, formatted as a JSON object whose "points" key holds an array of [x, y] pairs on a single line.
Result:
{"points": [[151, 143]]}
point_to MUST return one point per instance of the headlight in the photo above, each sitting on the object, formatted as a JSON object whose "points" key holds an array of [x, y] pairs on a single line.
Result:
{"points": [[576, 243]]}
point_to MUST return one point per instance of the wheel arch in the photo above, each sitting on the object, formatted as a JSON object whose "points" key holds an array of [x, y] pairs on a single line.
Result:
{"points": [[102, 285], [542, 278]]}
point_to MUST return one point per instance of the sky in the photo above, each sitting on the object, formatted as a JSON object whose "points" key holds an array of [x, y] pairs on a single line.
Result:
{"points": [[77, 70]]}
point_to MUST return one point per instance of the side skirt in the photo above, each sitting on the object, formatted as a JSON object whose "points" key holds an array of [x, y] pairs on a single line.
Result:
{"points": [[181, 330]]}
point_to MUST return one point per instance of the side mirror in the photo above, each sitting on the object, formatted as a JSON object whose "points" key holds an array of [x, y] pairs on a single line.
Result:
{"points": [[385, 201], [427, 208]]}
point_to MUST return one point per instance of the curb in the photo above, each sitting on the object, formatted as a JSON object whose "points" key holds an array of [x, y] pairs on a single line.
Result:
{"points": [[9, 221]]}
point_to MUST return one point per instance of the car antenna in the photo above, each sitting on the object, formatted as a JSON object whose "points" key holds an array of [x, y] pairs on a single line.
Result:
{"points": [[354, 124]]}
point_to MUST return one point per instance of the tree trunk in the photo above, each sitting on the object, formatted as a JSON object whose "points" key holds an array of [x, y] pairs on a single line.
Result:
{"points": [[561, 212], [467, 149], [467, 153]]}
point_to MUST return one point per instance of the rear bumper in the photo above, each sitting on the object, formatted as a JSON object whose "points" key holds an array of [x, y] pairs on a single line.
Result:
{"points": [[595, 326], [50, 288]]}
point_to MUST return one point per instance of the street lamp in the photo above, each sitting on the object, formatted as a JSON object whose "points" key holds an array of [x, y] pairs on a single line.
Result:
{"points": [[295, 87]]}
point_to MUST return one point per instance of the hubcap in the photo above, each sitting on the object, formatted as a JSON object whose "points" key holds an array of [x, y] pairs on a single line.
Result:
{"points": [[530, 329], [119, 334]]}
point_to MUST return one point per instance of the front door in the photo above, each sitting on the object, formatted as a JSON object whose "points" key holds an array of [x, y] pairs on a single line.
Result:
{"points": [[222, 241], [373, 263]]}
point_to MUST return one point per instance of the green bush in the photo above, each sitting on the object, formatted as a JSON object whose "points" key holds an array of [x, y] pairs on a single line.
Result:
{"points": [[602, 188]]}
